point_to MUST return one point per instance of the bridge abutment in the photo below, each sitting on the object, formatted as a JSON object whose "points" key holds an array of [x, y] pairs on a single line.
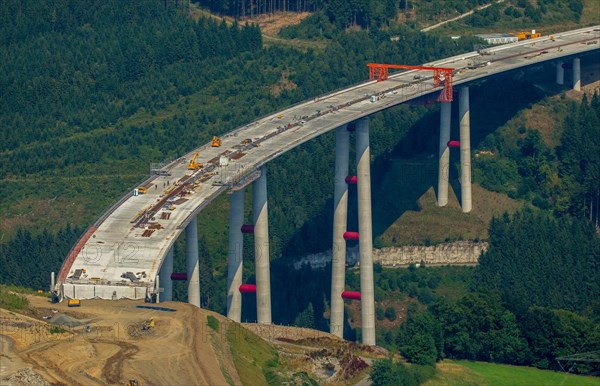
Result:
{"points": [[444, 154], [465, 149], [340, 222], [261, 248], [165, 278], [236, 256], [191, 255], [363, 158]]}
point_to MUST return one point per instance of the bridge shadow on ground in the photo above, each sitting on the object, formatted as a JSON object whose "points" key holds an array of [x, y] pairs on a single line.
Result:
{"points": [[401, 179], [401, 184]]}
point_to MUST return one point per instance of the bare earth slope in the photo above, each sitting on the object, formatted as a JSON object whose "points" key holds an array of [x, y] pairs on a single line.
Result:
{"points": [[178, 351]]}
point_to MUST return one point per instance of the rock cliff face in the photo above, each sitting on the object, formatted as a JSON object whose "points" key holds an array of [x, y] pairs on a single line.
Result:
{"points": [[459, 252]]}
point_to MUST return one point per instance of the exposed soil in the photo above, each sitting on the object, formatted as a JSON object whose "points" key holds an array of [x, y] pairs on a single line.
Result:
{"points": [[272, 24], [177, 350]]}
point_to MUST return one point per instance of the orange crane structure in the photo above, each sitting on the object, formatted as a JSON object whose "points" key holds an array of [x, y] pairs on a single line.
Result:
{"points": [[441, 75]]}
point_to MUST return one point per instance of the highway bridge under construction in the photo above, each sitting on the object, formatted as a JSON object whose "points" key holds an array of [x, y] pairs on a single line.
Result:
{"points": [[128, 251]]}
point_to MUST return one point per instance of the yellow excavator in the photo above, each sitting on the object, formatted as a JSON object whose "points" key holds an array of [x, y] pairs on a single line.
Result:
{"points": [[216, 142], [193, 165]]}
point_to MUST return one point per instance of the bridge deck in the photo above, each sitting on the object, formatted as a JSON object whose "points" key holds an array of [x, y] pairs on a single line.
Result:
{"points": [[122, 241]]}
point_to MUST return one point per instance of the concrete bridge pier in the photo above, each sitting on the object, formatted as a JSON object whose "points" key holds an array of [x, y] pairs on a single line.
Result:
{"points": [[261, 248], [465, 149], [191, 256], [576, 74], [363, 171], [560, 73], [165, 278], [340, 222], [444, 154], [236, 256]]}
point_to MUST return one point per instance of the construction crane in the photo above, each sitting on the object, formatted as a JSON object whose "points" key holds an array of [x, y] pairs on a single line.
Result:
{"points": [[216, 141], [441, 76], [193, 165]]}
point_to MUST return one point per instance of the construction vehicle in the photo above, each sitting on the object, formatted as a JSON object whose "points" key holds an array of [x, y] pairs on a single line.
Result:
{"points": [[525, 35], [134, 382], [142, 190], [249, 141], [216, 141], [73, 303], [193, 165], [148, 324]]}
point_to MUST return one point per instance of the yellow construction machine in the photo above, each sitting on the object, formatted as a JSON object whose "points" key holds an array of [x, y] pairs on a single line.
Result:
{"points": [[216, 142], [526, 35], [193, 165], [134, 382], [148, 324]]}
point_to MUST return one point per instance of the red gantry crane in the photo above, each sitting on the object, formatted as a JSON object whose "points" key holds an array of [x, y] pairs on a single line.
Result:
{"points": [[441, 76]]}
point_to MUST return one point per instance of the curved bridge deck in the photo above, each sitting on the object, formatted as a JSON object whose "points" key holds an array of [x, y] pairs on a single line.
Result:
{"points": [[136, 233]]}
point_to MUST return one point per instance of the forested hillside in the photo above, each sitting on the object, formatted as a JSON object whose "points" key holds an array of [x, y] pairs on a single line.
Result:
{"points": [[415, 13], [563, 175], [96, 93]]}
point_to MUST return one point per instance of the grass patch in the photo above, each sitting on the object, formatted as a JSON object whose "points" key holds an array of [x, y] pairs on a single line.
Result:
{"points": [[271, 374], [449, 373], [12, 301], [56, 330], [254, 359], [430, 224], [212, 322], [481, 373]]}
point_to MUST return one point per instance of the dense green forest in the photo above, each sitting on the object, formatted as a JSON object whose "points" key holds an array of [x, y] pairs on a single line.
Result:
{"points": [[386, 13], [93, 93], [564, 178], [97, 93], [533, 298]]}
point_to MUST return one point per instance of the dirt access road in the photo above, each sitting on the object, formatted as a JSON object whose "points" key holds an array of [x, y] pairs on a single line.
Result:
{"points": [[178, 351]]}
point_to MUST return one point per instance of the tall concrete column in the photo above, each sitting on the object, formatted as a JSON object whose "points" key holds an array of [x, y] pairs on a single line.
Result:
{"points": [[340, 222], [465, 149], [363, 171], [577, 74], [261, 248], [560, 73], [444, 154], [234, 266], [191, 257], [165, 278]]}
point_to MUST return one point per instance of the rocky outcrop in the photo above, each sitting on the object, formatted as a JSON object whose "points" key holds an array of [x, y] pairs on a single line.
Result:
{"points": [[457, 253], [26, 377]]}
